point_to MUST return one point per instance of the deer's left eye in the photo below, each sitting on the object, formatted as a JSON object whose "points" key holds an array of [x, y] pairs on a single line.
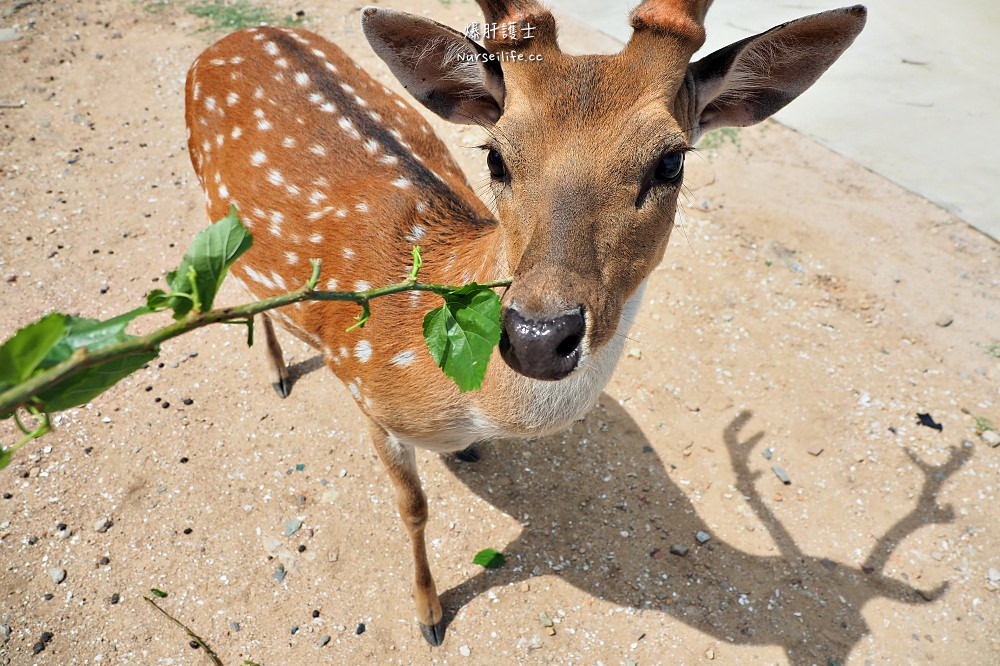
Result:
{"points": [[670, 169]]}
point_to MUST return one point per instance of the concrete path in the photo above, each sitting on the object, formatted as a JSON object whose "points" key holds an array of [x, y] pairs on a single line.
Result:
{"points": [[916, 99]]}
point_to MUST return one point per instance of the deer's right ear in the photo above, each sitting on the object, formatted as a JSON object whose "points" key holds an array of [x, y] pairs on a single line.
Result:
{"points": [[443, 69]]}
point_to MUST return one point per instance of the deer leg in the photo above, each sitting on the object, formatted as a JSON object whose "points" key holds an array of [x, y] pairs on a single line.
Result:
{"points": [[400, 461], [277, 371]]}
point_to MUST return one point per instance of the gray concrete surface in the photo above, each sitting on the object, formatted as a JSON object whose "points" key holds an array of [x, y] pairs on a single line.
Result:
{"points": [[916, 99]]}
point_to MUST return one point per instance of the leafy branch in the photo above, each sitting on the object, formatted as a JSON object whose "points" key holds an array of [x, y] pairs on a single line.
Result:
{"points": [[62, 361]]}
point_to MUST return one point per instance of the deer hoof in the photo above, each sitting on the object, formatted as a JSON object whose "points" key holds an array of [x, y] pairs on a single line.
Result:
{"points": [[469, 455], [433, 634], [282, 387]]}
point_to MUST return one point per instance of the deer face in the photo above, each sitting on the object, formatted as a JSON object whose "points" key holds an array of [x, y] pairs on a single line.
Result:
{"points": [[586, 153]]}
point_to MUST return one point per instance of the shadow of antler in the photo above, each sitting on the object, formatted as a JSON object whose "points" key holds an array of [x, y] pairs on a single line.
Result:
{"points": [[604, 518]]}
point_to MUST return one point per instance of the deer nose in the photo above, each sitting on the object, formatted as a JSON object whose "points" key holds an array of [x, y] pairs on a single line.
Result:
{"points": [[545, 348]]}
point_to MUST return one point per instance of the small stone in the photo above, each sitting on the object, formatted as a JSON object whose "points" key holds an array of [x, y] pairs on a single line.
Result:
{"points": [[993, 575], [551, 631], [525, 586], [782, 476], [635, 352], [710, 654], [48, 596], [6, 631], [816, 451], [280, 574], [361, 629], [8, 35], [295, 629], [324, 640], [187, 401], [235, 626], [464, 650], [679, 550], [58, 574], [702, 537], [945, 320], [828, 564], [991, 437], [104, 561], [115, 598], [544, 618], [292, 526], [768, 453], [38, 647], [103, 525], [315, 613], [46, 637]]}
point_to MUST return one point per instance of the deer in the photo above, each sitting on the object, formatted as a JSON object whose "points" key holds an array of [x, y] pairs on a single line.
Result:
{"points": [[586, 161]]}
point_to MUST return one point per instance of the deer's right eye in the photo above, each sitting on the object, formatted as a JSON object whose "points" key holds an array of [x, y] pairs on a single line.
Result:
{"points": [[498, 170]]}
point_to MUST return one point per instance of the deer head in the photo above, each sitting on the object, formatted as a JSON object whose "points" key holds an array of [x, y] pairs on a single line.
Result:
{"points": [[586, 153]]}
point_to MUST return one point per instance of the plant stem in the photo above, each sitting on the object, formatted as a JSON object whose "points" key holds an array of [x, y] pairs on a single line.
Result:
{"points": [[22, 394]]}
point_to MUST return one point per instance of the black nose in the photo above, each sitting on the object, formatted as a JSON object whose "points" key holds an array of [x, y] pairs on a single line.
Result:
{"points": [[547, 349]]}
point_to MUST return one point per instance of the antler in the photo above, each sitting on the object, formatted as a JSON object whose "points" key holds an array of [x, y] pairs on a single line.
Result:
{"points": [[536, 28], [681, 19]]}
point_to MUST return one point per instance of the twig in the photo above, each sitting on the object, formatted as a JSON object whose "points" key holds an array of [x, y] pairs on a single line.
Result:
{"points": [[209, 652]]}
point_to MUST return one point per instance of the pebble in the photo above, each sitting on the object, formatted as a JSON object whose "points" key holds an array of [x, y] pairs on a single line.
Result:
{"points": [[991, 437], [115, 598], [280, 574], [767, 453], [6, 631], [103, 525], [38, 647], [8, 35], [235, 626], [58, 574], [816, 451], [679, 550], [324, 640], [945, 320], [464, 650], [292, 526], [64, 533], [544, 618], [782, 476], [703, 537], [993, 575], [295, 629], [361, 629]]}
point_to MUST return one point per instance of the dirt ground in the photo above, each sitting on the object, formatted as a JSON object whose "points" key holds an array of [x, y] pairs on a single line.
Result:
{"points": [[802, 312]]}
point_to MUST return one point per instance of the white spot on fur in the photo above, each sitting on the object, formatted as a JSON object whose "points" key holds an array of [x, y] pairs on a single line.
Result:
{"points": [[278, 280], [403, 359], [282, 63], [232, 98], [346, 125], [417, 232], [422, 207], [274, 177], [332, 284], [348, 253], [236, 60], [360, 101], [361, 285], [302, 78], [402, 183], [371, 145], [258, 93], [330, 66], [258, 158], [292, 258], [258, 278], [277, 219], [363, 351], [288, 142], [361, 207], [317, 149], [316, 196], [354, 391], [388, 159], [223, 192], [326, 107], [316, 238], [271, 48]]}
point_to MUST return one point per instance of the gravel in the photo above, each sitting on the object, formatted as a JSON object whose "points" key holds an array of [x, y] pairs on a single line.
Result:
{"points": [[58, 574]]}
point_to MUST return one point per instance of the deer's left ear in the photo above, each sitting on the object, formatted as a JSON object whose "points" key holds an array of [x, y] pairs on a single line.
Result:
{"points": [[746, 82], [443, 69]]}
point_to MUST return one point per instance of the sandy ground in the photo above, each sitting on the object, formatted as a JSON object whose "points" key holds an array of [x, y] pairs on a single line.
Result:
{"points": [[799, 313]]}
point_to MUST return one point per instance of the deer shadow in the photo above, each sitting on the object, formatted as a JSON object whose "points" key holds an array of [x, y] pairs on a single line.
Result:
{"points": [[579, 495]]}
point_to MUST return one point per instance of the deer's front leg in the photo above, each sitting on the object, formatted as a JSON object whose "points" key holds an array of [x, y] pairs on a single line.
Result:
{"points": [[401, 464], [277, 371]]}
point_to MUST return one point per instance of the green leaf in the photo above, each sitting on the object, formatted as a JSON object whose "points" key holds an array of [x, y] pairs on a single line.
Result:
{"points": [[82, 387], [21, 354], [157, 593], [197, 280], [489, 559], [5, 457], [462, 333], [93, 334]]}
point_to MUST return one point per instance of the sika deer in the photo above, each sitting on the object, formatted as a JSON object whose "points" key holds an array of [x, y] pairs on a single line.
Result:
{"points": [[586, 157]]}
